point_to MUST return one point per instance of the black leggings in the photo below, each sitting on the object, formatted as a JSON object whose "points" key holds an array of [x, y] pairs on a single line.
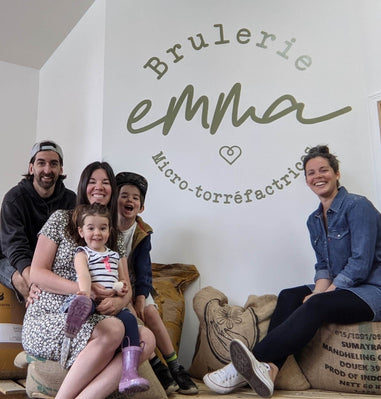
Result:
{"points": [[131, 334], [294, 323], [131, 329]]}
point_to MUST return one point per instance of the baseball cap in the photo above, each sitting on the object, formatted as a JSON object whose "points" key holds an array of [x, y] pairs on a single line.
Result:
{"points": [[134, 179], [46, 146]]}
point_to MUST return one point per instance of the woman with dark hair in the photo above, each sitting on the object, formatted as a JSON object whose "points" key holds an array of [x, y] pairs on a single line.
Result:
{"points": [[345, 233], [85, 184], [95, 365]]}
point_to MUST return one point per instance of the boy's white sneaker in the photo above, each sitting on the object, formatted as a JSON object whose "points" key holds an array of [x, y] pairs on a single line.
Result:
{"points": [[255, 373], [224, 380]]}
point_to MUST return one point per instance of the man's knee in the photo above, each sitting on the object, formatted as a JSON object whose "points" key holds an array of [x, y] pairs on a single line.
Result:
{"points": [[6, 273]]}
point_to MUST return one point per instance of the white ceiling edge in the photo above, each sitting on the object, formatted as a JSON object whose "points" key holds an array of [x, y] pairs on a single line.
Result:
{"points": [[31, 30]]}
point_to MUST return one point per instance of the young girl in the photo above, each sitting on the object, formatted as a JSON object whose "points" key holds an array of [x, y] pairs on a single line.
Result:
{"points": [[94, 262]]}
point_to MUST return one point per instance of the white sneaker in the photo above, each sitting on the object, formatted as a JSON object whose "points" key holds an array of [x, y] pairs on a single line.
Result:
{"points": [[224, 380], [255, 373]]}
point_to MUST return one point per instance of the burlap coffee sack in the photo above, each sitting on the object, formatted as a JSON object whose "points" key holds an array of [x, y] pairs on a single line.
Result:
{"points": [[221, 322], [344, 358], [290, 376], [169, 282], [44, 378]]}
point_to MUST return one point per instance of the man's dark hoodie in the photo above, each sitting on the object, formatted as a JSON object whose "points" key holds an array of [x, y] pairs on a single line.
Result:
{"points": [[23, 213]]}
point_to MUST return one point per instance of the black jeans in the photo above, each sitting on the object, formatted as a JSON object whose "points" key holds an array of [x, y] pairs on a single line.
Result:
{"points": [[294, 323]]}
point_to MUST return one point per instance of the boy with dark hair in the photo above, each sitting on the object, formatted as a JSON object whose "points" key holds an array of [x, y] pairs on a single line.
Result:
{"points": [[137, 238]]}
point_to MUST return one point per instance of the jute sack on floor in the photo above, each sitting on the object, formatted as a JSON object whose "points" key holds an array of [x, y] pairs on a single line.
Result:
{"points": [[220, 323], [44, 378], [345, 358]]}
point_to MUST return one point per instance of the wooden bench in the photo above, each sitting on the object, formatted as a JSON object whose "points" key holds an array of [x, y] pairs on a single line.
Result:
{"points": [[12, 389]]}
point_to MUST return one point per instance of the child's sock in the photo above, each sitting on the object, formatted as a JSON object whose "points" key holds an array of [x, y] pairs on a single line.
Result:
{"points": [[172, 362], [181, 376], [155, 362], [164, 375]]}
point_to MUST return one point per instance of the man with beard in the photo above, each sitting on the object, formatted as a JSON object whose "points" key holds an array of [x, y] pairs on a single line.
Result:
{"points": [[25, 209]]}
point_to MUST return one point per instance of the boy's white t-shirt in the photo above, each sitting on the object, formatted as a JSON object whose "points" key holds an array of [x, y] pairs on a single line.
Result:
{"points": [[127, 238]]}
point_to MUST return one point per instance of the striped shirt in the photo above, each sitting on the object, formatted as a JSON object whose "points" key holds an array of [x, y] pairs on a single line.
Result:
{"points": [[103, 266]]}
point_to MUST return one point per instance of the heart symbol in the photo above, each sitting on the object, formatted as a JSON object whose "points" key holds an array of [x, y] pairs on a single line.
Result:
{"points": [[230, 154]]}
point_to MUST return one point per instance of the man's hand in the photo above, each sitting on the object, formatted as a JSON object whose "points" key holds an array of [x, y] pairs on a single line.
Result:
{"points": [[21, 282], [34, 294]]}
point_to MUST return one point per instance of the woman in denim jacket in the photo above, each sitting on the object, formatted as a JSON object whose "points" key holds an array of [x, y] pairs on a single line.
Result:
{"points": [[345, 233]]}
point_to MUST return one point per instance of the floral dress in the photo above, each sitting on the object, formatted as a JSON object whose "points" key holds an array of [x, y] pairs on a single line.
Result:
{"points": [[43, 326]]}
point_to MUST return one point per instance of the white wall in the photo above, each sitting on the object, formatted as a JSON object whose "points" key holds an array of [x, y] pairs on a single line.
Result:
{"points": [[18, 110], [259, 246], [95, 78], [369, 34], [71, 94], [370, 31]]}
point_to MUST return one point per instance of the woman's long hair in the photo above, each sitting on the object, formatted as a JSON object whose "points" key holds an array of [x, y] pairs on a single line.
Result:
{"points": [[112, 205]]}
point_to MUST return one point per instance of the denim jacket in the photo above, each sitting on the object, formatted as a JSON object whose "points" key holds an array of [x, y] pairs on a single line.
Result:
{"points": [[349, 253]]}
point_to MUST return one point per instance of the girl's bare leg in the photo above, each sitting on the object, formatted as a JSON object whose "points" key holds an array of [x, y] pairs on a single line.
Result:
{"points": [[107, 381], [97, 354]]}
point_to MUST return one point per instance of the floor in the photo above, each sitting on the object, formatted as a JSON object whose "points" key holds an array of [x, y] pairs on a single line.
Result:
{"points": [[205, 393]]}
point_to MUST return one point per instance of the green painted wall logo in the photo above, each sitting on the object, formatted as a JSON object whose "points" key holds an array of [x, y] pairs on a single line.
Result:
{"points": [[191, 103]]}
